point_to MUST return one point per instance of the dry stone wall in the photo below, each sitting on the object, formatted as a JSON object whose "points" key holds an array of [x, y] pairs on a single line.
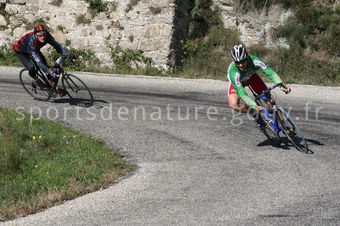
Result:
{"points": [[129, 26]]}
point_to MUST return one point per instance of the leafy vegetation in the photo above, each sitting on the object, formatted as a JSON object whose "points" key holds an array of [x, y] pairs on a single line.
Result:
{"points": [[243, 6], [312, 32], [97, 6], [129, 61], [86, 59], [315, 28], [43, 163], [209, 43], [5, 15], [294, 66], [8, 57]]}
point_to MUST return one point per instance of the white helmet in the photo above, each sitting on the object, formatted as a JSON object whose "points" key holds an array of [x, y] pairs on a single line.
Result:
{"points": [[238, 53]]}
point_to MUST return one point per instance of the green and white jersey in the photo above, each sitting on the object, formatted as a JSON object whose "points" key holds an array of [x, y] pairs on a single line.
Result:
{"points": [[239, 78]]}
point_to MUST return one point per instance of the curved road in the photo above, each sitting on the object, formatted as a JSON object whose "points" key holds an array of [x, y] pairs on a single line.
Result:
{"points": [[197, 162]]}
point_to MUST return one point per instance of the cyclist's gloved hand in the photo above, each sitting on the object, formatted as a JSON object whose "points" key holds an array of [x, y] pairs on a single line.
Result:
{"points": [[54, 75]]}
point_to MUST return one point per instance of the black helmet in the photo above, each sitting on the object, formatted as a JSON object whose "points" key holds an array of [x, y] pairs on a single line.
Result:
{"points": [[239, 53], [40, 29]]}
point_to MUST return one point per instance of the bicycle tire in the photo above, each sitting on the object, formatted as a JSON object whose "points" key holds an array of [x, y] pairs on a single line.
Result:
{"points": [[77, 90], [297, 139], [269, 130], [42, 94]]}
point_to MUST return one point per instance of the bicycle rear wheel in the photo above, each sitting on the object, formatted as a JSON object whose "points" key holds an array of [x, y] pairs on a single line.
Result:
{"points": [[77, 90], [292, 131], [38, 93]]}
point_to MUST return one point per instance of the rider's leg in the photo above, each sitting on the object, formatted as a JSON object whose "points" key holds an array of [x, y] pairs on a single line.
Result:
{"points": [[234, 100], [28, 64], [234, 103], [257, 85]]}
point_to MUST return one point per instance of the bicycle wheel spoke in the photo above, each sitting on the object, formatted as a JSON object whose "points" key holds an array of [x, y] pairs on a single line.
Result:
{"points": [[38, 93], [292, 131], [77, 90]]}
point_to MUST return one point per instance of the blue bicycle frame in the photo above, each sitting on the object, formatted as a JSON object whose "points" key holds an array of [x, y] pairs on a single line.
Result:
{"points": [[265, 95]]}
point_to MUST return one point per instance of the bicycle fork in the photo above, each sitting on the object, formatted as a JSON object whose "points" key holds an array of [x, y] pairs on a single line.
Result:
{"points": [[273, 121]]}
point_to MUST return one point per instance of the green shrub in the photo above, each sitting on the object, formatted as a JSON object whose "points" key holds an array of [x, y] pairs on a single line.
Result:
{"points": [[4, 13], [295, 67], [293, 3], [86, 59], [203, 18], [209, 56], [207, 49], [8, 57], [97, 6], [60, 28], [313, 27], [132, 61]]}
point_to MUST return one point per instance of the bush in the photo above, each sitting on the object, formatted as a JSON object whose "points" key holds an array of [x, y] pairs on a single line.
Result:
{"points": [[8, 57], [86, 59], [293, 3], [313, 27], [209, 56], [130, 61], [203, 18], [97, 6], [294, 67]]}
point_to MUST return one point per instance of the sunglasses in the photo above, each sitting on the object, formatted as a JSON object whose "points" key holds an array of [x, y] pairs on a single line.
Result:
{"points": [[41, 35], [242, 62]]}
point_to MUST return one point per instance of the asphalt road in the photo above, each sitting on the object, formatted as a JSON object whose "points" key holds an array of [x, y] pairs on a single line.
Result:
{"points": [[197, 163]]}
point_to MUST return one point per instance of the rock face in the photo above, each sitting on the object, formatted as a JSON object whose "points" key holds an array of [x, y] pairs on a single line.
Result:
{"points": [[157, 27], [254, 26]]}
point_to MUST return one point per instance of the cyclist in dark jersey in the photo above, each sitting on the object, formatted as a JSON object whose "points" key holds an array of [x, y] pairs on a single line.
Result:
{"points": [[242, 73], [28, 50]]}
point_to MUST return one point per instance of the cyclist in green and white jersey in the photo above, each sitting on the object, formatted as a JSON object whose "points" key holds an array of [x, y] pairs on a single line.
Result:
{"points": [[242, 73]]}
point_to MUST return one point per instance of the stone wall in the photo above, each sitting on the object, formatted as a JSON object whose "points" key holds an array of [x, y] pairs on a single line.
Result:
{"points": [[135, 27], [254, 27], [159, 32]]}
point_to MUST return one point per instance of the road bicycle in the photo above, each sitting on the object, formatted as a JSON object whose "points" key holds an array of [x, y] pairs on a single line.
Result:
{"points": [[277, 121], [74, 87]]}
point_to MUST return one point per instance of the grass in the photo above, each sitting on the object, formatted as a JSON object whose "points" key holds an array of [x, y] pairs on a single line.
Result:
{"points": [[43, 163]]}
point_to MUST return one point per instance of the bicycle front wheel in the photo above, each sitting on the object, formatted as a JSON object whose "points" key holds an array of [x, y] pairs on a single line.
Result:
{"points": [[77, 90], [269, 130], [38, 93], [292, 131]]}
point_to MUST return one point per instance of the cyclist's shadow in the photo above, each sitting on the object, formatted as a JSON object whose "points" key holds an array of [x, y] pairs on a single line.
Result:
{"points": [[287, 145], [78, 102]]}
